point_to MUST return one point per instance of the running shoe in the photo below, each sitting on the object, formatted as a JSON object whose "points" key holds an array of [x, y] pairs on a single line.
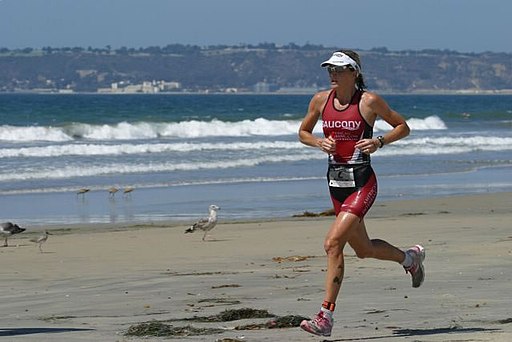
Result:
{"points": [[416, 270], [320, 325]]}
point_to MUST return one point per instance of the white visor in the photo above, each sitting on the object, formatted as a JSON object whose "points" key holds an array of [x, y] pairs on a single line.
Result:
{"points": [[341, 59]]}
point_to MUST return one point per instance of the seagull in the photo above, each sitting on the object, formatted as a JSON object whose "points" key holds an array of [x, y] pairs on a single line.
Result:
{"points": [[206, 224], [8, 228], [42, 239]]}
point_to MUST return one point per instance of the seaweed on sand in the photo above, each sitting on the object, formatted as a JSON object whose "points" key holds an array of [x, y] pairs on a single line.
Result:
{"points": [[289, 321], [328, 212], [293, 258], [159, 329], [233, 315]]}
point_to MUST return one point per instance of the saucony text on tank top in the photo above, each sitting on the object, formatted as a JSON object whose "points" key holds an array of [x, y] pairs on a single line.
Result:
{"points": [[347, 127]]}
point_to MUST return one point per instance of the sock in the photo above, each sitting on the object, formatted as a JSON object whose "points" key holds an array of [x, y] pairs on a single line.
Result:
{"points": [[327, 309], [327, 312], [328, 305], [407, 261]]}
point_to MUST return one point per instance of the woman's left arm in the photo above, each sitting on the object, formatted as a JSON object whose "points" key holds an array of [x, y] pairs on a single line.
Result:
{"points": [[373, 106]]}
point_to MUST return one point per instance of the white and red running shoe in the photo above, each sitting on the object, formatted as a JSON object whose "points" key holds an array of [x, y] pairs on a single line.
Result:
{"points": [[320, 325], [416, 270]]}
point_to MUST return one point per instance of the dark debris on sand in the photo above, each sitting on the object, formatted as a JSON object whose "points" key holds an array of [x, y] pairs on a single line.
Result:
{"points": [[225, 301], [289, 321], [233, 315], [292, 258], [160, 329], [328, 212]]}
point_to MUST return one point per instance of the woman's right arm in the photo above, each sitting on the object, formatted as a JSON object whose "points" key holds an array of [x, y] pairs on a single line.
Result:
{"points": [[306, 136]]}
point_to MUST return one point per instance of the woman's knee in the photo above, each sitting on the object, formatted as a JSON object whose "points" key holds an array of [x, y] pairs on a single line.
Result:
{"points": [[333, 246]]}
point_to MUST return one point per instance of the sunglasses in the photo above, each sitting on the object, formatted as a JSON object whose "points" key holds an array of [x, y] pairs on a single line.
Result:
{"points": [[336, 69]]}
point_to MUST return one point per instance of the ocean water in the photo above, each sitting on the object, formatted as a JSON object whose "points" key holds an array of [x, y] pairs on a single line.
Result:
{"points": [[183, 152]]}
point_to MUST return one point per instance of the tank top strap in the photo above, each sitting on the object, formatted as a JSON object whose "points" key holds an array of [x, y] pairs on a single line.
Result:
{"points": [[357, 97]]}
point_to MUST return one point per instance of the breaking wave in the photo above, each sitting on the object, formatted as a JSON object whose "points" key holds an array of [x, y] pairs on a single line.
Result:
{"points": [[415, 145], [184, 129]]}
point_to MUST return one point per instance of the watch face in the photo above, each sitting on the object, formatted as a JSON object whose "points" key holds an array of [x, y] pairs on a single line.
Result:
{"points": [[381, 140]]}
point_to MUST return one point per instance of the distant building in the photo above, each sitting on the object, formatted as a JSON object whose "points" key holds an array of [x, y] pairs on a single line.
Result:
{"points": [[168, 86], [132, 88], [147, 87], [264, 87]]}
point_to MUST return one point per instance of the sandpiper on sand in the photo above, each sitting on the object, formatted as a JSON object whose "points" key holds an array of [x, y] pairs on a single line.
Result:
{"points": [[41, 239]]}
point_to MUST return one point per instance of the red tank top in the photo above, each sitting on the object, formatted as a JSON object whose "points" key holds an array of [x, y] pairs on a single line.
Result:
{"points": [[347, 127]]}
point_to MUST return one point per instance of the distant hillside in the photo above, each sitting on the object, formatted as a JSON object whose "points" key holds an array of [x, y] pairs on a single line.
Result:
{"points": [[244, 68]]}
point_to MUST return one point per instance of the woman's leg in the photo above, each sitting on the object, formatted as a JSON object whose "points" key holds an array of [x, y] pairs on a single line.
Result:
{"points": [[334, 243], [348, 227], [412, 259], [375, 248]]}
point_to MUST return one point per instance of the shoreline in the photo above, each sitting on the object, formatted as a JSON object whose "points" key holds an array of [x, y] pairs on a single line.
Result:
{"points": [[91, 283], [382, 209], [162, 205]]}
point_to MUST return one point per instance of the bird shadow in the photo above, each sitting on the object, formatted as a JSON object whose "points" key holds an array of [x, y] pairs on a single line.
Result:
{"points": [[31, 331], [216, 240], [417, 332]]}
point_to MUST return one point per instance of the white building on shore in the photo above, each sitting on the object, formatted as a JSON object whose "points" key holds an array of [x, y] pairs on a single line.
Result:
{"points": [[147, 87]]}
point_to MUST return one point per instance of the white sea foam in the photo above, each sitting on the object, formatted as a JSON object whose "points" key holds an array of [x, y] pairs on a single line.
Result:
{"points": [[165, 185], [273, 152], [184, 129], [71, 171], [127, 149], [429, 123], [413, 145], [447, 145], [33, 133]]}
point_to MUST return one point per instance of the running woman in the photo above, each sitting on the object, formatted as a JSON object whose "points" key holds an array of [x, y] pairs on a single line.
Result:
{"points": [[348, 113]]}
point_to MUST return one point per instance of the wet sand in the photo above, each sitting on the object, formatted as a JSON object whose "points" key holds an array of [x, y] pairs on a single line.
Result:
{"points": [[94, 282]]}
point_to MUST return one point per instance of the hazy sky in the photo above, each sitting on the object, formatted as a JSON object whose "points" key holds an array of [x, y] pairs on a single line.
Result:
{"points": [[460, 25]]}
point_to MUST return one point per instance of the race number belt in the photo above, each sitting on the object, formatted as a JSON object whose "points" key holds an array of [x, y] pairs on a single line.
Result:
{"points": [[340, 176]]}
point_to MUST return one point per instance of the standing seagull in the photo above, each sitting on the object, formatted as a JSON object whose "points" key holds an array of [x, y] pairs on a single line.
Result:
{"points": [[206, 224], [40, 240], [8, 228]]}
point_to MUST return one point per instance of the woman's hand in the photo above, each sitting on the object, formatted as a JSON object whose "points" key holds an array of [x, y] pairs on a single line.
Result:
{"points": [[368, 146], [328, 145]]}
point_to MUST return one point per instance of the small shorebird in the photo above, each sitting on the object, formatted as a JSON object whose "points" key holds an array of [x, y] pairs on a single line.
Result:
{"points": [[128, 191], [82, 191], [205, 224], [41, 239], [112, 191], [8, 228]]}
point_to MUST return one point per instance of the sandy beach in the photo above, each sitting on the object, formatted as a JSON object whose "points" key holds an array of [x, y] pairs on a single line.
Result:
{"points": [[92, 283]]}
